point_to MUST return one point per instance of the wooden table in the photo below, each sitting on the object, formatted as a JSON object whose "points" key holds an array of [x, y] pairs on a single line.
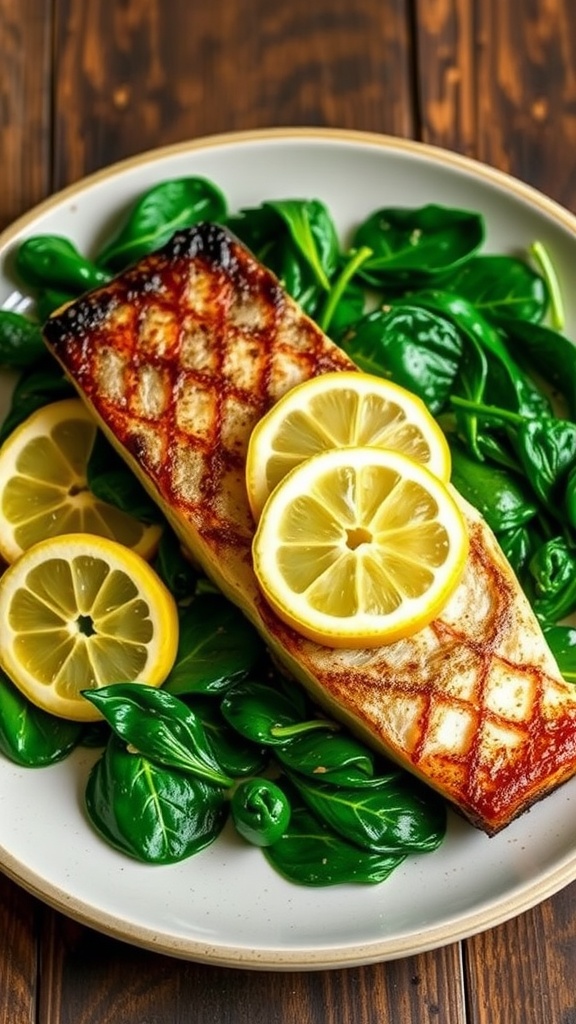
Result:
{"points": [[86, 82]]}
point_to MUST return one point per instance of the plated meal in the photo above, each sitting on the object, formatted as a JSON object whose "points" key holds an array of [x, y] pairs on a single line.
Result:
{"points": [[288, 509]]}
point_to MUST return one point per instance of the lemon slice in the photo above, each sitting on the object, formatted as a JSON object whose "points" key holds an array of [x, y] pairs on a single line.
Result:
{"points": [[43, 486], [79, 612], [334, 410], [358, 547]]}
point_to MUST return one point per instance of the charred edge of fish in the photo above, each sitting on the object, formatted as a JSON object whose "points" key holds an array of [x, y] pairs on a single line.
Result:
{"points": [[207, 239], [80, 318]]}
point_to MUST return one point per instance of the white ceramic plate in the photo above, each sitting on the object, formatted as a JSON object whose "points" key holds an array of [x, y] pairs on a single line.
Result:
{"points": [[226, 906]]}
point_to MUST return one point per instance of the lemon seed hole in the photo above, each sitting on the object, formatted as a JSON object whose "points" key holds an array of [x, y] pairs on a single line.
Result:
{"points": [[85, 625], [357, 536]]}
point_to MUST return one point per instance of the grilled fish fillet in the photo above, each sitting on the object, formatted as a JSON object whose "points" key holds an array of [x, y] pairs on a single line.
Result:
{"points": [[178, 358]]}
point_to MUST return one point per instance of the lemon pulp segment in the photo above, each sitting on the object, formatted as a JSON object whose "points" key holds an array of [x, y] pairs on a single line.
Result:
{"points": [[44, 490], [359, 547], [80, 612], [336, 410]]}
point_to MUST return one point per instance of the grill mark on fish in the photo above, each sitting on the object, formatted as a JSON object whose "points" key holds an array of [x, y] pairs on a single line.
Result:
{"points": [[178, 358]]}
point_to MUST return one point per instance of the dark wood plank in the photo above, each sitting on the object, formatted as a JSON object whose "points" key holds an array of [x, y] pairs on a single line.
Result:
{"points": [[446, 85], [24, 105], [526, 88], [524, 970], [497, 81], [493, 85], [129, 78], [18, 954], [26, 178], [94, 978]]}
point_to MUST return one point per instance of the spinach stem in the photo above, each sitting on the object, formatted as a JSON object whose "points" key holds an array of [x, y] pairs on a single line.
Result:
{"points": [[287, 731], [357, 258], [541, 255], [491, 411]]}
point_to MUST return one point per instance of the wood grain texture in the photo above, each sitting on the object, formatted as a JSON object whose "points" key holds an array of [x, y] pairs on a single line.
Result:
{"points": [[86, 82], [444, 41], [19, 914], [497, 81], [25, 105], [527, 92], [525, 970], [130, 79], [91, 979]]}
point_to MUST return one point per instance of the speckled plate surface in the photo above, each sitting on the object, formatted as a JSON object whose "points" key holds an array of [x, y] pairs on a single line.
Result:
{"points": [[226, 905]]}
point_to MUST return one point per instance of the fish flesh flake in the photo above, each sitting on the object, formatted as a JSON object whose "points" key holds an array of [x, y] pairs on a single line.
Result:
{"points": [[178, 358]]}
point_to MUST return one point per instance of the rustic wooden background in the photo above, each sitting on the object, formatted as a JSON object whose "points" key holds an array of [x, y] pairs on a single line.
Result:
{"points": [[86, 82]]}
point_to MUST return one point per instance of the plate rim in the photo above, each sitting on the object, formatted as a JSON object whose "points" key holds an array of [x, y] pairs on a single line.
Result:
{"points": [[351, 135], [338, 956], [305, 959]]}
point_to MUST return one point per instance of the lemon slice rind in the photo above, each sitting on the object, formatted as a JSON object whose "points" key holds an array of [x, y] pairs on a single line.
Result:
{"points": [[327, 530], [340, 409], [43, 487], [75, 606]]}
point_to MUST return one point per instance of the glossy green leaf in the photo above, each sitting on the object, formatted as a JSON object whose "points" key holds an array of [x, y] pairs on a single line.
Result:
{"points": [[553, 569], [48, 300], [562, 643], [278, 682], [110, 479], [471, 381], [162, 210], [293, 271], [295, 275], [506, 385], [260, 811], [392, 815], [541, 257], [217, 647], [30, 736], [264, 232], [21, 341], [546, 449], [418, 245], [43, 383], [503, 497], [495, 447], [417, 349], [345, 302], [264, 715], [335, 757], [152, 813], [548, 353], [258, 227], [161, 727], [313, 233], [297, 240], [175, 568], [570, 498], [236, 755], [518, 545], [501, 287], [311, 854], [52, 261]]}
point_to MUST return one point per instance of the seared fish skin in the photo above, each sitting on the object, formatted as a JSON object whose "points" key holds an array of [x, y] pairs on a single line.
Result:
{"points": [[178, 358]]}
